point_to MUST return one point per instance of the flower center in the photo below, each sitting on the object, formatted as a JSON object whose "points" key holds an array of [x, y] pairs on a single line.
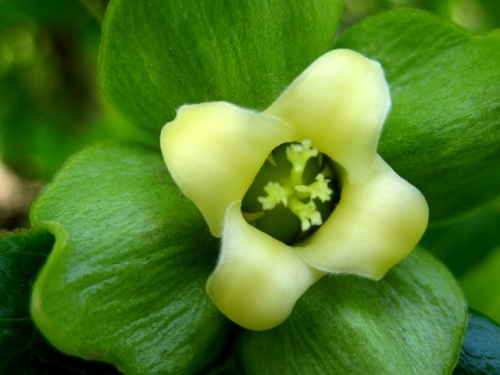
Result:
{"points": [[293, 194]]}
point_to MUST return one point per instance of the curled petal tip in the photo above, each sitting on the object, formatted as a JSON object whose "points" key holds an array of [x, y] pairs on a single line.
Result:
{"points": [[213, 152], [257, 279], [376, 224]]}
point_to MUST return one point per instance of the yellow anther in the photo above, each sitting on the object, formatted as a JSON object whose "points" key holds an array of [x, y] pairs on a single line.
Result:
{"points": [[318, 189], [299, 198], [306, 212], [276, 194]]}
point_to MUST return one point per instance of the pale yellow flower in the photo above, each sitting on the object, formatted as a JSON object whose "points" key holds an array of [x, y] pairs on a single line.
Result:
{"points": [[215, 150]]}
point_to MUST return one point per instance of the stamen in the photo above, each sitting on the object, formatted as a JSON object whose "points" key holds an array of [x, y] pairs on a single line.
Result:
{"points": [[318, 189], [276, 194], [298, 154], [306, 212]]}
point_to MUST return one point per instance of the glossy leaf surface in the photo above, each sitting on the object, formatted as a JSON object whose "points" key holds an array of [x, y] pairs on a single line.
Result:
{"points": [[23, 350], [125, 281], [158, 55]]}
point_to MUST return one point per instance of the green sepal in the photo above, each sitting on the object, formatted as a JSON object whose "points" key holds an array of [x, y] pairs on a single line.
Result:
{"points": [[410, 322], [443, 132], [158, 55], [125, 281]]}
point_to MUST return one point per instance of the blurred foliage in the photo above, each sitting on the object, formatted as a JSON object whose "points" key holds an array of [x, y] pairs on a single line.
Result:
{"points": [[48, 106], [96, 7], [474, 15]]}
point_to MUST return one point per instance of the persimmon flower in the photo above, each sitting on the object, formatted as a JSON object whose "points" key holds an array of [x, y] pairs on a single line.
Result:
{"points": [[296, 191]]}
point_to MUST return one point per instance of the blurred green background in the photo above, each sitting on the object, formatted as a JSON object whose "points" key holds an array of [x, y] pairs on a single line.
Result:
{"points": [[50, 107], [49, 103]]}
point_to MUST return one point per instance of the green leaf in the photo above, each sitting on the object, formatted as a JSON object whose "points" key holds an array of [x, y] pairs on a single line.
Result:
{"points": [[22, 348], [125, 281], [158, 55], [443, 133], [410, 322], [480, 354]]}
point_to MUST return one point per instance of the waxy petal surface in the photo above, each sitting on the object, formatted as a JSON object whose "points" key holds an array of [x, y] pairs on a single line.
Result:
{"points": [[340, 103], [214, 151], [257, 279], [375, 225]]}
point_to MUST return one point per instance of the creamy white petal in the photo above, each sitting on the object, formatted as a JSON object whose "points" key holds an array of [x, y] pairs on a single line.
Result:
{"points": [[340, 103], [214, 151], [257, 279], [375, 225]]}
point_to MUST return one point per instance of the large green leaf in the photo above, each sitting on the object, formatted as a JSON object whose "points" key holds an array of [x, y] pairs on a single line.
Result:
{"points": [[125, 281], [157, 55], [443, 133], [410, 322], [23, 350]]}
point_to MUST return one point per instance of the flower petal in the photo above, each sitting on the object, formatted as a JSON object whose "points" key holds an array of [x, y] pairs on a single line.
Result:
{"points": [[374, 226], [214, 151], [340, 103], [257, 279]]}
